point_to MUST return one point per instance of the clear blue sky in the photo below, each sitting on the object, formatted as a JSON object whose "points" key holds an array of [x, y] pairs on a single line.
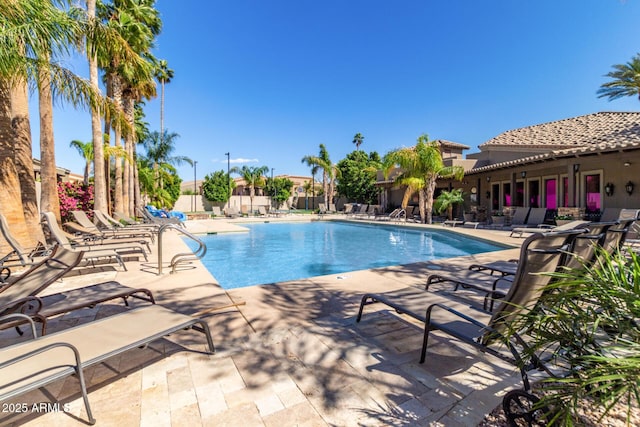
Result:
{"points": [[268, 81]]}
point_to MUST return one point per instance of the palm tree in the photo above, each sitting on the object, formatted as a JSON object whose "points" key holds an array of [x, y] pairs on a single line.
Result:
{"points": [[625, 81], [358, 139], [163, 74], [423, 162], [446, 200], [128, 80], [86, 151], [329, 172], [159, 152], [99, 176], [252, 175], [31, 31]]}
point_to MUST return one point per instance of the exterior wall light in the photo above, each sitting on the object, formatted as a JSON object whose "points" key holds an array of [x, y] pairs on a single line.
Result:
{"points": [[629, 187], [488, 194], [608, 189], [576, 167], [523, 174], [488, 178]]}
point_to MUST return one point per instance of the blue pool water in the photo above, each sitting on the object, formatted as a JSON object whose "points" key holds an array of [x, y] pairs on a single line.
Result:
{"points": [[278, 252]]}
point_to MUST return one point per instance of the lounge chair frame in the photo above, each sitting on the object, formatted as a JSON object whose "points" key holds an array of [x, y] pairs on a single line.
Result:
{"points": [[93, 252], [540, 251], [22, 370]]}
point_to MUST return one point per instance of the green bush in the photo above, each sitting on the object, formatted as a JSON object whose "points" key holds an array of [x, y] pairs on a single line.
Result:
{"points": [[589, 322], [217, 187]]}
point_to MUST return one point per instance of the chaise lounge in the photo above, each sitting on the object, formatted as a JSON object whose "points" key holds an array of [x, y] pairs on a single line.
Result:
{"points": [[23, 293], [35, 363], [542, 253]]}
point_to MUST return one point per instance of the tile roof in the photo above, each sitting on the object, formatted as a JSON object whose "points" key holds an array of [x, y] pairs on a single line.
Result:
{"points": [[581, 131], [450, 144], [593, 133]]}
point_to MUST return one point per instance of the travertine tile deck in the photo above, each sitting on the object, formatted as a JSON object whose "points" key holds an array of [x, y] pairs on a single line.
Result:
{"points": [[289, 354]]}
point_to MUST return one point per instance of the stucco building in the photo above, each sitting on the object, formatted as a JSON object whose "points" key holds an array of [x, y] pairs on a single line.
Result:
{"points": [[578, 165]]}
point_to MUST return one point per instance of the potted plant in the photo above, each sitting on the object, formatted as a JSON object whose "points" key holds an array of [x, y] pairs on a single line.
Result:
{"points": [[563, 219], [446, 200], [589, 322], [497, 217]]}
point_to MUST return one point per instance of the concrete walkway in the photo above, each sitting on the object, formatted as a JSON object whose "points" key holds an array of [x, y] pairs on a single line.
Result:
{"points": [[289, 354]]}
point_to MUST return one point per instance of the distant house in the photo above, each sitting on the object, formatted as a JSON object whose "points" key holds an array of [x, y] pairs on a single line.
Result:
{"points": [[579, 165]]}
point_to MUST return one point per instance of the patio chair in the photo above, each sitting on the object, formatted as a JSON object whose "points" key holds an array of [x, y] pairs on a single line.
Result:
{"points": [[452, 222], [332, 208], [610, 214], [519, 218], [79, 235], [93, 252], [215, 210], [469, 220], [40, 276], [582, 249], [19, 256], [106, 222], [359, 210], [159, 220], [163, 213], [541, 228], [394, 215], [37, 362], [22, 294], [43, 307], [535, 220], [541, 253], [231, 212]]}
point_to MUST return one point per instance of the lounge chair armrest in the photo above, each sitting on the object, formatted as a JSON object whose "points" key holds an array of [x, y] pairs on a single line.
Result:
{"points": [[456, 313], [30, 305], [11, 255], [77, 362], [22, 318]]}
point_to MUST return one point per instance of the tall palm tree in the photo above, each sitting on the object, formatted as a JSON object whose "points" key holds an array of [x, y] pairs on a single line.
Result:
{"points": [[128, 80], [31, 31], [99, 175], [252, 175], [625, 81], [159, 152], [423, 162], [358, 139], [85, 149], [163, 74], [330, 172]]}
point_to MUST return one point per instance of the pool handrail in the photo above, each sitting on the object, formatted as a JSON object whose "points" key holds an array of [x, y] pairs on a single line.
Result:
{"points": [[180, 257]]}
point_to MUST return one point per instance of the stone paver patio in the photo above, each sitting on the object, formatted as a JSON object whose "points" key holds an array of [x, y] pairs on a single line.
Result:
{"points": [[289, 354]]}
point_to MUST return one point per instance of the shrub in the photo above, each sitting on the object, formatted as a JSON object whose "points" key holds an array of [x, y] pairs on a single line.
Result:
{"points": [[74, 196], [590, 323]]}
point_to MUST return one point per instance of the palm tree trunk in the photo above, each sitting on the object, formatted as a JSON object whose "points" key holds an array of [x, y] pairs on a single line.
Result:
{"points": [[325, 187], [127, 180], [11, 206], [137, 198], [100, 189], [118, 196], [428, 198], [161, 108], [24, 161]]}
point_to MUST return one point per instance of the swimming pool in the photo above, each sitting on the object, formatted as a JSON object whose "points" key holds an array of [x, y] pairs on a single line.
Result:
{"points": [[278, 252]]}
